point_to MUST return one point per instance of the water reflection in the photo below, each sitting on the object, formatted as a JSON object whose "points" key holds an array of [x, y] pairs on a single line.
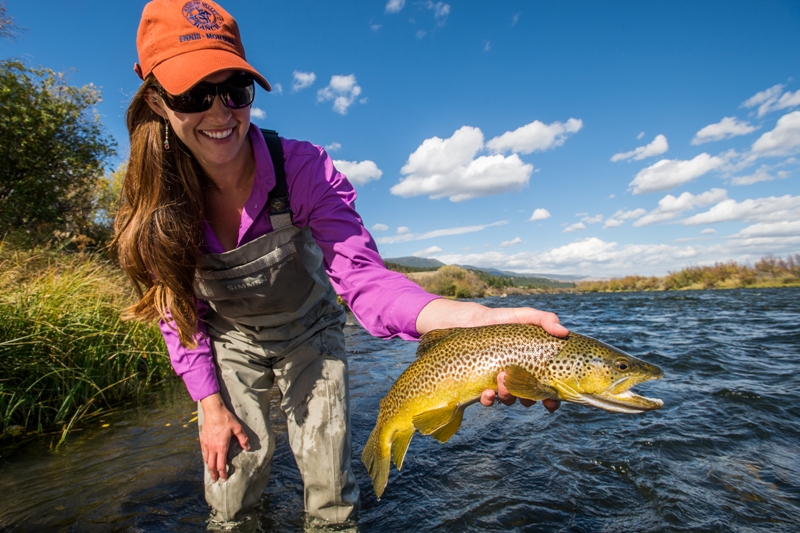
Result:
{"points": [[720, 456]]}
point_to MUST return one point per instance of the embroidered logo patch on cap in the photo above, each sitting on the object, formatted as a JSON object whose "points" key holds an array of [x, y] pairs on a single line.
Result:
{"points": [[202, 15]]}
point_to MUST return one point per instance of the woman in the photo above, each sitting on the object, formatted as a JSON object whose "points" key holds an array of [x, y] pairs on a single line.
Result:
{"points": [[241, 260]]}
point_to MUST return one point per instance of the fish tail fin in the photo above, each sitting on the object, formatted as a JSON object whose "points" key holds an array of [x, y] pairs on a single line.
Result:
{"points": [[376, 456]]}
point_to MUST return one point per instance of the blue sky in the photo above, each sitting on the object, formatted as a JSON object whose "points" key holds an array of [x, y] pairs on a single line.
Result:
{"points": [[586, 138]]}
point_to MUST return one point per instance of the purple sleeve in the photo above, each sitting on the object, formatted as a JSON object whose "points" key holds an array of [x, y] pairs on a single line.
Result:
{"points": [[196, 365], [386, 303]]}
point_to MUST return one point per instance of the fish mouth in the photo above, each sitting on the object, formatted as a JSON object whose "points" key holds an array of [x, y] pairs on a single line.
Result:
{"points": [[623, 402], [620, 399], [616, 398]]}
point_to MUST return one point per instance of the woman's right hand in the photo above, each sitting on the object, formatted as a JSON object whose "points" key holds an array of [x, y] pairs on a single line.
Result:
{"points": [[219, 425]]}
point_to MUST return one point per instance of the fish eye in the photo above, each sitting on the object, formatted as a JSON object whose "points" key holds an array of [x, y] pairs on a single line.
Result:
{"points": [[622, 365]]}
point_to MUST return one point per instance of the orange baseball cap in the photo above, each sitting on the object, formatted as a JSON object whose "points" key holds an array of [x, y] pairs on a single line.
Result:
{"points": [[181, 42]]}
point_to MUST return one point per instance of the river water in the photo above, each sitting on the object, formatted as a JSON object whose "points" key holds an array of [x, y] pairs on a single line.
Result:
{"points": [[722, 455]]}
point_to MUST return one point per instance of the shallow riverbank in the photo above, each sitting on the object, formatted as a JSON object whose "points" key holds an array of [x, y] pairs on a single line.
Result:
{"points": [[65, 354]]}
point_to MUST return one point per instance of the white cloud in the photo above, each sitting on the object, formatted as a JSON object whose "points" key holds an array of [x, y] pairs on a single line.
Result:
{"points": [[539, 214], [783, 140], [408, 236], [258, 113], [724, 129], [379, 227], [449, 168], [762, 174], [440, 11], [431, 250], [394, 6], [670, 206], [359, 173], [535, 136], [302, 80], [708, 231], [515, 241], [772, 209], [619, 218], [785, 228], [333, 147], [640, 136], [657, 147], [343, 90], [772, 100], [592, 220], [515, 18], [277, 88], [403, 230], [420, 34], [669, 173], [575, 227]]}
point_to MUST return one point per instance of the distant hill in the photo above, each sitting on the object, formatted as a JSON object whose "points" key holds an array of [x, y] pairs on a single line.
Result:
{"points": [[415, 262], [425, 263], [511, 274]]}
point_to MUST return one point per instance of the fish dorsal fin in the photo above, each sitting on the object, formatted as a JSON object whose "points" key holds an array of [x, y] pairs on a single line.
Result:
{"points": [[429, 421], [431, 339], [400, 446], [523, 384]]}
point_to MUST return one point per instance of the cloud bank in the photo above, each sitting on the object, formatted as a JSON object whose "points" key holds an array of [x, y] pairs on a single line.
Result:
{"points": [[452, 167]]}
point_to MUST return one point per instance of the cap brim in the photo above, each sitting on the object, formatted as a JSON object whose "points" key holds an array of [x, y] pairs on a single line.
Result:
{"points": [[180, 73]]}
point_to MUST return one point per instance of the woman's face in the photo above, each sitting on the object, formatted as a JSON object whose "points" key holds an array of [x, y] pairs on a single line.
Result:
{"points": [[217, 137]]}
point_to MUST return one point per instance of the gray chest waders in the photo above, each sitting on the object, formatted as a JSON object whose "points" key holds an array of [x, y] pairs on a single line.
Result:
{"points": [[274, 320]]}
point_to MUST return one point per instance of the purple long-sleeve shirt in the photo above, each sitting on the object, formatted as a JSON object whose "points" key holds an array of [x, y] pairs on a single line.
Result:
{"points": [[385, 302]]}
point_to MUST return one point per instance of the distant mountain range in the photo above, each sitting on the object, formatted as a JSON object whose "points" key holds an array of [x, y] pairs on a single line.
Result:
{"points": [[424, 262]]}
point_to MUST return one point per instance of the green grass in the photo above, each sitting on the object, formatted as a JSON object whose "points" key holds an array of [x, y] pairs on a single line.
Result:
{"points": [[65, 354]]}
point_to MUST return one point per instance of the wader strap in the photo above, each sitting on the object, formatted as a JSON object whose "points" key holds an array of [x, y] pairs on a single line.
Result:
{"points": [[280, 215]]}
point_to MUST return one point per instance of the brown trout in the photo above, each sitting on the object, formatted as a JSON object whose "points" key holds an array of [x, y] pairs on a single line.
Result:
{"points": [[454, 366]]}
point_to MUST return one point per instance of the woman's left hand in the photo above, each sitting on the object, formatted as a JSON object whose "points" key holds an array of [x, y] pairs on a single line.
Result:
{"points": [[441, 313]]}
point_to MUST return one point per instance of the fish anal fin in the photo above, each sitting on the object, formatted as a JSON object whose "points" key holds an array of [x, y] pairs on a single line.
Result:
{"points": [[400, 446], [444, 433], [429, 421], [523, 384], [429, 341]]}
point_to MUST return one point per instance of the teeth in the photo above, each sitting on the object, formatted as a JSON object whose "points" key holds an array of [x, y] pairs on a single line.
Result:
{"points": [[218, 134]]}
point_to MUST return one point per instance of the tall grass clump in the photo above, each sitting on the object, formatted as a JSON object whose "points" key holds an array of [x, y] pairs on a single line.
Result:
{"points": [[65, 354]]}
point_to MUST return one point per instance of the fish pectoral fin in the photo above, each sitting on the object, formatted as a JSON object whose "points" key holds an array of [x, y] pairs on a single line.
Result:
{"points": [[523, 384], [444, 433], [569, 394], [400, 446], [429, 421]]}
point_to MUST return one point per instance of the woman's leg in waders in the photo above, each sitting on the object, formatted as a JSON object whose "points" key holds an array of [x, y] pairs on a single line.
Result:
{"points": [[245, 385], [316, 400]]}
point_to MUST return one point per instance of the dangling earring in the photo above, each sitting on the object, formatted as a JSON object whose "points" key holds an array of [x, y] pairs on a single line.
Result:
{"points": [[166, 135]]}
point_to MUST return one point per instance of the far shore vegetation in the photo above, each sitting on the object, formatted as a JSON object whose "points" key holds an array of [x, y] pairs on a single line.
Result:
{"points": [[457, 282]]}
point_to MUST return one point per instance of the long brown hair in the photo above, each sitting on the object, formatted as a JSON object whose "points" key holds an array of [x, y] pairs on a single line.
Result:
{"points": [[158, 232]]}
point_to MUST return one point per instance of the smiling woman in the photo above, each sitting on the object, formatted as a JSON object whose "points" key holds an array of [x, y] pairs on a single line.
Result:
{"points": [[238, 241]]}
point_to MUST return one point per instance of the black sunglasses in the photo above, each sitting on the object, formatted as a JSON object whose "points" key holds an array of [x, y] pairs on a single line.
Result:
{"points": [[236, 92]]}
